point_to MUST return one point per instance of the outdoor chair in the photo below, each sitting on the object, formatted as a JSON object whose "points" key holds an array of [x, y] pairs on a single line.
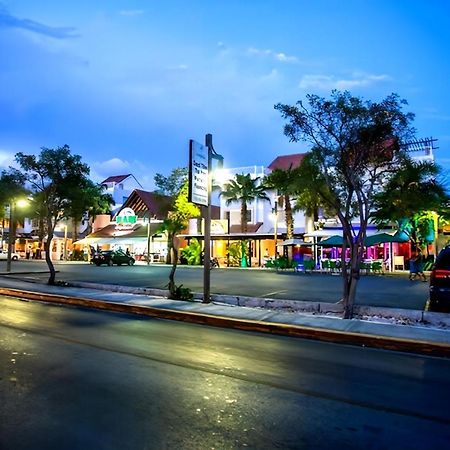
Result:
{"points": [[325, 263], [306, 266], [309, 265], [377, 267], [334, 267]]}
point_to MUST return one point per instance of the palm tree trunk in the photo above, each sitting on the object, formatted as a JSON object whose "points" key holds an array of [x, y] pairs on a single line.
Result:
{"points": [[244, 217], [289, 224], [289, 217]]}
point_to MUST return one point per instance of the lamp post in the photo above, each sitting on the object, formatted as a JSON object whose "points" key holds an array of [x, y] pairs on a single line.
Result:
{"points": [[149, 238], [12, 234]]}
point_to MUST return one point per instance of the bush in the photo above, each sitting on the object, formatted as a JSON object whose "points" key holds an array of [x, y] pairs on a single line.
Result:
{"points": [[191, 253], [77, 255], [237, 250], [182, 293]]}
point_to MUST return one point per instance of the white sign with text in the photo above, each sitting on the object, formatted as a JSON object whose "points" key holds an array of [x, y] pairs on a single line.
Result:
{"points": [[198, 173]]}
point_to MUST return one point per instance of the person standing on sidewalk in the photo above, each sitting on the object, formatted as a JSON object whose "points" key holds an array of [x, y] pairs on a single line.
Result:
{"points": [[419, 266], [412, 267], [416, 266]]}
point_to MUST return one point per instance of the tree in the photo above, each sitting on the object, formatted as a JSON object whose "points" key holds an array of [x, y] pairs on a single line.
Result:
{"points": [[12, 185], [56, 176], [284, 183], [88, 201], [172, 184], [243, 189], [355, 149], [176, 222], [410, 198]]}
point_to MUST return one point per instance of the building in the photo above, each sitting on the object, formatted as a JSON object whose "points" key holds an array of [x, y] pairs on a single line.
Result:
{"points": [[120, 187], [134, 227]]}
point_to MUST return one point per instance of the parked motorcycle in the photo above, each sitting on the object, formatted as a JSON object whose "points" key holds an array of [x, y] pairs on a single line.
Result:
{"points": [[214, 263]]}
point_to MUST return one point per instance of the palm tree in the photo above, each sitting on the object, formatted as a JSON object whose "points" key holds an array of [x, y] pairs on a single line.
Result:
{"points": [[284, 182], [409, 198], [243, 189]]}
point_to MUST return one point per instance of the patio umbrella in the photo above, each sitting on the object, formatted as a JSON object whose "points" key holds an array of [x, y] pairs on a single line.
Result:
{"points": [[332, 241], [381, 238]]}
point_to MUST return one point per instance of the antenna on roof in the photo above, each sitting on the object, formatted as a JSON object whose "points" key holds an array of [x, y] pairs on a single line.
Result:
{"points": [[425, 145]]}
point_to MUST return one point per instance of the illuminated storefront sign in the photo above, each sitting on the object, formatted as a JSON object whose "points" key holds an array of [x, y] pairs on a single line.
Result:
{"points": [[126, 219]]}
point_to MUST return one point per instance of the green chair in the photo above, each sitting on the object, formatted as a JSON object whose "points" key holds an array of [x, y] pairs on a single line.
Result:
{"points": [[333, 266], [309, 265], [325, 263], [377, 267], [364, 268]]}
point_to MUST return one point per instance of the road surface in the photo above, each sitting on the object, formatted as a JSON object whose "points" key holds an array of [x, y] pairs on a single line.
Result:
{"points": [[80, 379]]}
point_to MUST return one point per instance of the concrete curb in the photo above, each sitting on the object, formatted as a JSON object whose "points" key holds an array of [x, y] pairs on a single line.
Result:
{"points": [[325, 335], [405, 316]]}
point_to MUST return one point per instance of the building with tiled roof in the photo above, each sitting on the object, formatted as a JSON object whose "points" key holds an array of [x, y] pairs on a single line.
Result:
{"points": [[120, 187], [286, 162], [144, 203], [116, 179]]}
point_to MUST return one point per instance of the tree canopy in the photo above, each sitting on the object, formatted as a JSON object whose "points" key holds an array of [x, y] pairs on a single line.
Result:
{"points": [[410, 197], [56, 176], [173, 183], [243, 189], [87, 202], [284, 182], [12, 186], [356, 146], [177, 220]]}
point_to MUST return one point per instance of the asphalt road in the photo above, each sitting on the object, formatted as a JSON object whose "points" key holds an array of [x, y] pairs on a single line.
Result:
{"points": [[77, 379], [375, 290]]}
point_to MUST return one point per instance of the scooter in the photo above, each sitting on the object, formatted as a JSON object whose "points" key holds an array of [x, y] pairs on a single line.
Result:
{"points": [[214, 262]]}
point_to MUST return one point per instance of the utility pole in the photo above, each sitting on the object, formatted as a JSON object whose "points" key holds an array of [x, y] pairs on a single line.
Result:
{"points": [[10, 235]]}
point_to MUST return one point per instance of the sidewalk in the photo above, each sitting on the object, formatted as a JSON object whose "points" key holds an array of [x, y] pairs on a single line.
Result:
{"points": [[416, 339]]}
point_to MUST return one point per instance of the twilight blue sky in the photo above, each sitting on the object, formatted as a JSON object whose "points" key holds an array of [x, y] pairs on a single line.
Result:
{"points": [[127, 83]]}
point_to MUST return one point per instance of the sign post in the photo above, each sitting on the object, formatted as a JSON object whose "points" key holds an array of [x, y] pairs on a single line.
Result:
{"points": [[200, 187]]}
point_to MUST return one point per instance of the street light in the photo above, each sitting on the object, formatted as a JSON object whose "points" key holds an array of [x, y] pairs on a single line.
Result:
{"points": [[149, 238], [12, 234]]}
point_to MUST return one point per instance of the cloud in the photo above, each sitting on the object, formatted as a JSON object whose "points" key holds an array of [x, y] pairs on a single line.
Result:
{"points": [[111, 167], [179, 67], [131, 12], [8, 20], [284, 58], [100, 170], [279, 56], [6, 159], [329, 82]]}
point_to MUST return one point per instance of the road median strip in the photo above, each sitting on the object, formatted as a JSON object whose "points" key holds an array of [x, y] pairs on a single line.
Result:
{"points": [[307, 332]]}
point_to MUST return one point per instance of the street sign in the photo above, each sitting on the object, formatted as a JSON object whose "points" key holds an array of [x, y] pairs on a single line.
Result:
{"points": [[198, 173]]}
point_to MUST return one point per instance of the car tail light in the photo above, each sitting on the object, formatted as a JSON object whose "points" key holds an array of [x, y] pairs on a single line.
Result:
{"points": [[440, 274]]}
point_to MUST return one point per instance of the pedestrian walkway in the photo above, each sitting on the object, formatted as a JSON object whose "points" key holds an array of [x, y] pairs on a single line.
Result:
{"points": [[418, 339]]}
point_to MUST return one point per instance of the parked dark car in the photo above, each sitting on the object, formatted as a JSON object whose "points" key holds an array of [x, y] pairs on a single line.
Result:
{"points": [[440, 282], [111, 257]]}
